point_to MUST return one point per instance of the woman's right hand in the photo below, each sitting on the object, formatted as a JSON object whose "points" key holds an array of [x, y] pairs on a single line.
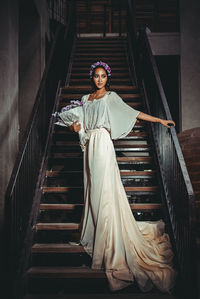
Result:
{"points": [[75, 127]]}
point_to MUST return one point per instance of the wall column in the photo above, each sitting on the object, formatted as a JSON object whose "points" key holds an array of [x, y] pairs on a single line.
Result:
{"points": [[9, 123], [190, 63]]}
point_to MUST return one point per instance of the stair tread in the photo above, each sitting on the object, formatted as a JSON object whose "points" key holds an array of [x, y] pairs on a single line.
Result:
{"points": [[131, 104], [114, 68], [57, 226], [134, 95], [50, 173], [134, 206], [83, 88], [96, 295], [131, 134], [66, 189], [105, 54], [121, 160], [100, 47], [65, 144], [78, 94], [56, 247], [65, 272]]}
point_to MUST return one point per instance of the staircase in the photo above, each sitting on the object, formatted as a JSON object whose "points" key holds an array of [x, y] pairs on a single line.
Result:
{"points": [[58, 267]]}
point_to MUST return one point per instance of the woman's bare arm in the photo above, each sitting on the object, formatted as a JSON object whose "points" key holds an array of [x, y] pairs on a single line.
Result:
{"points": [[151, 118], [75, 127]]}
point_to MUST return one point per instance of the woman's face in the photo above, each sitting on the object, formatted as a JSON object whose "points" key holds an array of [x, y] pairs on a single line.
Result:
{"points": [[100, 77]]}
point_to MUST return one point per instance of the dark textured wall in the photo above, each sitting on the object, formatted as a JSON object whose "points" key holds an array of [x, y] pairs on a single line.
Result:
{"points": [[9, 123], [23, 28], [29, 63]]}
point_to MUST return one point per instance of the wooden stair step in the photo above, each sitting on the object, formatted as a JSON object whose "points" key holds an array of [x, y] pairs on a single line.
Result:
{"points": [[65, 272], [131, 104], [114, 68], [85, 89], [94, 59], [123, 173], [67, 189], [125, 96], [109, 47], [131, 135], [196, 185], [114, 80], [99, 40], [117, 144], [118, 147], [90, 60], [106, 47], [76, 94], [140, 124], [197, 195], [119, 159], [101, 50], [57, 226], [193, 166], [134, 206], [135, 159], [85, 72], [86, 75], [60, 206], [108, 44], [102, 42], [138, 173], [76, 152], [85, 64], [56, 248], [100, 54]]}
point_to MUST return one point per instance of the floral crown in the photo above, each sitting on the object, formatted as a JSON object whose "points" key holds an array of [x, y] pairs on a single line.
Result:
{"points": [[101, 64]]}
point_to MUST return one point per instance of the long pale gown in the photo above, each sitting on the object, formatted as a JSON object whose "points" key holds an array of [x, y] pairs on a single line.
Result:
{"points": [[126, 249]]}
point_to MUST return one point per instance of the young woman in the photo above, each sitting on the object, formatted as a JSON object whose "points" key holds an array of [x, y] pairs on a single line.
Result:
{"points": [[127, 249]]}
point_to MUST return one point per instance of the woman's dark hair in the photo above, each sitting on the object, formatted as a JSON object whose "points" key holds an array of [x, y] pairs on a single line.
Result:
{"points": [[107, 86]]}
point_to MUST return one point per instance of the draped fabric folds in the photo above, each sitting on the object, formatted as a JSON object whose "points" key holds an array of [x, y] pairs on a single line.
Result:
{"points": [[128, 250], [122, 117]]}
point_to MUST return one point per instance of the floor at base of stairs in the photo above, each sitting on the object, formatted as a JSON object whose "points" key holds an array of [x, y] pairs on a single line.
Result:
{"points": [[100, 296]]}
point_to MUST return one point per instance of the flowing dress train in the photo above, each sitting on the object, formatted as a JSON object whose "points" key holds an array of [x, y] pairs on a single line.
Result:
{"points": [[126, 249]]}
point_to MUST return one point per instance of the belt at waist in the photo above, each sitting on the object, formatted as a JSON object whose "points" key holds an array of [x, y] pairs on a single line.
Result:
{"points": [[96, 129]]}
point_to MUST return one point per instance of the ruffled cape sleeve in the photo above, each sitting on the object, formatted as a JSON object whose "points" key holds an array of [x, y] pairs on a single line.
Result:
{"points": [[121, 116]]}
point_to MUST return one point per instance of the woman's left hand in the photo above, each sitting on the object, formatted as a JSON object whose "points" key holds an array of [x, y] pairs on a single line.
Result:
{"points": [[166, 122]]}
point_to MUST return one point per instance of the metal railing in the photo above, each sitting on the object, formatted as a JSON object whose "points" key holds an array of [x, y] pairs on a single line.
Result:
{"points": [[59, 10], [178, 192], [20, 194]]}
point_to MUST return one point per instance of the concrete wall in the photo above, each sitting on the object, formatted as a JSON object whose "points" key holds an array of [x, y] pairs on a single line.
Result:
{"points": [[9, 122], [166, 49], [29, 66], [33, 26], [190, 63], [187, 45], [164, 43], [23, 28]]}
